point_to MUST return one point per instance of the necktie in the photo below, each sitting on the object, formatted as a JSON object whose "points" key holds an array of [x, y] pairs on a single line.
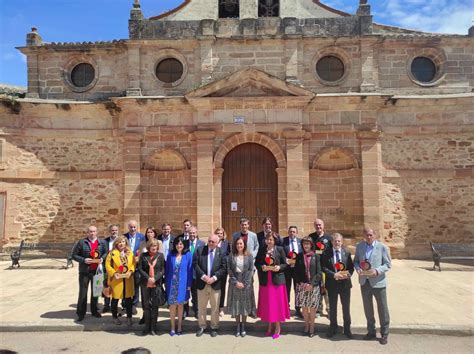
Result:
{"points": [[192, 248], [211, 261], [338, 256], [293, 245]]}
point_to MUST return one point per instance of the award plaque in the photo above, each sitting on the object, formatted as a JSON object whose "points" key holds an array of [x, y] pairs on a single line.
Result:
{"points": [[341, 269], [95, 256], [270, 262], [291, 258], [122, 273], [366, 267], [320, 247]]}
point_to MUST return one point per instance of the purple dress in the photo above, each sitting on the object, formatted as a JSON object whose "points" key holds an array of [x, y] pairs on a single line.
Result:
{"points": [[273, 302]]}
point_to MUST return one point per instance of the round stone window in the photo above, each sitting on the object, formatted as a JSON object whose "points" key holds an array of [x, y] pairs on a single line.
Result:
{"points": [[330, 68], [169, 70], [82, 75], [423, 69]]}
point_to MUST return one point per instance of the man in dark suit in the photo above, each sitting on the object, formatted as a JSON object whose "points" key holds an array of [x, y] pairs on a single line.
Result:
{"points": [[210, 266], [319, 236], [166, 239], [267, 225], [185, 235], [87, 253], [292, 244], [372, 260], [335, 263], [194, 244], [135, 238]]}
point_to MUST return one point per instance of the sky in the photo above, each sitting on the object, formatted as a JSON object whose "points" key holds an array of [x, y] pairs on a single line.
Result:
{"points": [[101, 20]]}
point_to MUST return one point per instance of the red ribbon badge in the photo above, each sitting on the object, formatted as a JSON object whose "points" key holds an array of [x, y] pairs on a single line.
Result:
{"points": [[121, 268], [291, 255], [320, 246]]}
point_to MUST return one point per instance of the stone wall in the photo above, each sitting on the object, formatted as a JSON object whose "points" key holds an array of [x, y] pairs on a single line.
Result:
{"points": [[59, 210]]}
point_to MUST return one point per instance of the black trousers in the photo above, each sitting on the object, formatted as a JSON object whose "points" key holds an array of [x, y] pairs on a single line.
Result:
{"points": [[150, 303], [289, 278], [128, 306], [223, 286], [84, 280], [194, 299], [345, 295]]}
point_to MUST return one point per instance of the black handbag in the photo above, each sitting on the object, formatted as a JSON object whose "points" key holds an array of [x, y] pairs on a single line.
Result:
{"points": [[161, 296]]}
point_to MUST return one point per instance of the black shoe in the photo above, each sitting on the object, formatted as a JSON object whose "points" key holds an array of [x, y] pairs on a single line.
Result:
{"points": [[298, 314], [146, 332], [310, 335], [80, 318], [106, 309], [369, 336], [214, 333], [200, 332], [154, 332], [179, 333], [243, 333], [384, 340], [348, 334], [142, 320], [97, 314], [330, 334]]}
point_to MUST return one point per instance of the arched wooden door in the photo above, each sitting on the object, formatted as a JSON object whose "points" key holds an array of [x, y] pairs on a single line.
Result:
{"points": [[249, 187]]}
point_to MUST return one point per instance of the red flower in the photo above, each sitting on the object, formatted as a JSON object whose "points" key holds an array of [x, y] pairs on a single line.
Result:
{"points": [[320, 246], [340, 266], [121, 268], [291, 255], [269, 260]]}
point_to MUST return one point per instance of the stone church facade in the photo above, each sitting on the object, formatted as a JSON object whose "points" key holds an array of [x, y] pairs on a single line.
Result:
{"points": [[226, 108]]}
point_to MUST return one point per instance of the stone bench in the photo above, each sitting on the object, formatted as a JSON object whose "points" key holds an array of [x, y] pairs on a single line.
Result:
{"points": [[451, 251]]}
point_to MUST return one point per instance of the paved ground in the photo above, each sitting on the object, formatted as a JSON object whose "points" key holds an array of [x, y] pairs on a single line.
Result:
{"points": [[41, 296], [104, 342]]}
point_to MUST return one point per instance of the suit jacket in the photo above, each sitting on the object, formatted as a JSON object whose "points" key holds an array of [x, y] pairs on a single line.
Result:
{"points": [[185, 275], [139, 238], [379, 259], [252, 242], [261, 240], [144, 267], [244, 277], [218, 269], [286, 245], [329, 269], [315, 273], [325, 238], [225, 247], [278, 278], [83, 251], [107, 241], [160, 238]]}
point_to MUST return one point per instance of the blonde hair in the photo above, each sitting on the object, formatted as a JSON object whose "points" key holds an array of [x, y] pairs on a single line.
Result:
{"points": [[151, 243], [119, 239], [223, 231]]}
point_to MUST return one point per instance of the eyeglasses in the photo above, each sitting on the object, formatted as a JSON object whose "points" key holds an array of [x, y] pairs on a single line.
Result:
{"points": [[211, 241]]}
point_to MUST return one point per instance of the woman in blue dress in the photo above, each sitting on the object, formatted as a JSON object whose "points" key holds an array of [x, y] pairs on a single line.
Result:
{"points": [[179, 277]]}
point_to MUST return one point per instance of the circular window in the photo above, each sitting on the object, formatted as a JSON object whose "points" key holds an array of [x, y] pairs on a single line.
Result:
{"points": [[423, 69], [330, 68], [169, 70], [82, 75]]}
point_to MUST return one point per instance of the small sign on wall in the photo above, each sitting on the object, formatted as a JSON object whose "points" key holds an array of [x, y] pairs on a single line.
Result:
{"points": [[233, 206], [239, 120]]}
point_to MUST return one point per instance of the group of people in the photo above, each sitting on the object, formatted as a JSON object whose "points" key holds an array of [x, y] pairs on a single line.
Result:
{"points": [[176, 269]]}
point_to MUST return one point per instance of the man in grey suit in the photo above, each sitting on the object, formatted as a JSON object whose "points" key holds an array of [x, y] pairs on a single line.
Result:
{"points": [[249, 237], [372, 261]]}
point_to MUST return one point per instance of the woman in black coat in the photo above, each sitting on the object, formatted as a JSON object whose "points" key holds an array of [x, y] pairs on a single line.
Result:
{"points": [[151, 266], [273, 299], [308, 278]]}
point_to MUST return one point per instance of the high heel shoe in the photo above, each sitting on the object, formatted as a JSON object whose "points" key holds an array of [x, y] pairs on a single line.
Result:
{"points": [[276, 336], [237, 330], [242, 330]]}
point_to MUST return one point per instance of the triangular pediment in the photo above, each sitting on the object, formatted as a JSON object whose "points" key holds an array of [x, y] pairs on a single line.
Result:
{"points": [[249, 82]]}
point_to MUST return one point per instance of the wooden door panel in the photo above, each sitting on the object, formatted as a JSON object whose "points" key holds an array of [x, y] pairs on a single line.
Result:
{"points": [[250, 180]]}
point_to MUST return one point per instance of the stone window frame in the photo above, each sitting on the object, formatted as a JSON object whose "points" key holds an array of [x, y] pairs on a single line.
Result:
{"points": [[71, 64], [337, 52], [170, 54], [437, 56]]}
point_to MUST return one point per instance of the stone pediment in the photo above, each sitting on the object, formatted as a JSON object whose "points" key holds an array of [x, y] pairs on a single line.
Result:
{"points": [[249, 82]]}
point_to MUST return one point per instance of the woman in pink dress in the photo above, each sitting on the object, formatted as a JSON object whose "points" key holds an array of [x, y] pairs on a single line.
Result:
{"points": [[272, 297]]}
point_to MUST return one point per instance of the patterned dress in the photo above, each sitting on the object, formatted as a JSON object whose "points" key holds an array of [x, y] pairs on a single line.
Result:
{"points": [[240, 302], [173, 295]]}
